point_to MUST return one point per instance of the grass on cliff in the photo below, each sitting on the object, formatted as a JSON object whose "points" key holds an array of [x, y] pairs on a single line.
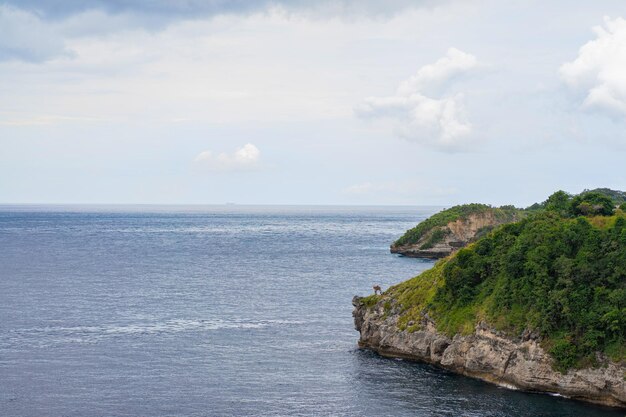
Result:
{"points": [[415, 295], [435, 237], [370, 300], [563, 277], [450, 215]]}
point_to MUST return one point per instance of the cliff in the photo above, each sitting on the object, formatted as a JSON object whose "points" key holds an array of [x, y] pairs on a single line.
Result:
{"points": [[487, 354], [537, 304], [451, 229]]}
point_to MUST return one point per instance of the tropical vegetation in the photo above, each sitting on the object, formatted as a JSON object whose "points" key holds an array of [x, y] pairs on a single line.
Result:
{"points": [[559, 273], [441, 219]]}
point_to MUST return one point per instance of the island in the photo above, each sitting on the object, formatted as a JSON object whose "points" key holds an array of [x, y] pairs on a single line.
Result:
{"points": [[531, 299], [451, 229]]}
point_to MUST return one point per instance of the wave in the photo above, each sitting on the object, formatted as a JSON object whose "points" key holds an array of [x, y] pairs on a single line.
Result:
{"points": [[49, 335]]}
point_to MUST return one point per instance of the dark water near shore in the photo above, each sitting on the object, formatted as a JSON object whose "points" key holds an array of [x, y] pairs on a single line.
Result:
{"points": [[216, 311]]}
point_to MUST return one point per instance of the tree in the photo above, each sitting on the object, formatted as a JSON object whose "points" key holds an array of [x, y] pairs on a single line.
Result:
{"points": [[591, 203], [559, 202]]}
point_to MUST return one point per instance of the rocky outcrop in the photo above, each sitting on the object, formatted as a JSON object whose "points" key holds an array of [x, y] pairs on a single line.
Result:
{"points": [[488, 355], [453, 236]]}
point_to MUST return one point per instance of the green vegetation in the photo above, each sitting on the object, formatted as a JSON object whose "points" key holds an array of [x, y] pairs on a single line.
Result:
{"points": [[370, 300], [618, 197], [559, 272], [435, 237], [441, 219], [559, 202], [416, 294], [590, 203], [599, 201]]}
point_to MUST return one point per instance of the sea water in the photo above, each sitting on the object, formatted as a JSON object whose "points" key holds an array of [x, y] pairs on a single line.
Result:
{"points": [[215, 311]]}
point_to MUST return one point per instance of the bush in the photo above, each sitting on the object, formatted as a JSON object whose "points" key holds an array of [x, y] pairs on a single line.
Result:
{"points": [[562, 277], [555, 272], [564, 353], [559, 202], [591, 203], [436, 236]]}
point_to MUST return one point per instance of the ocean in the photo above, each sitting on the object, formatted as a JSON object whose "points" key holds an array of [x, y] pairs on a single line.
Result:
{"points": [[216, 311]]}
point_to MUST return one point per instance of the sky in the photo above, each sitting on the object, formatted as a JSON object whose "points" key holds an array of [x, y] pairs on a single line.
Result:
{"points": [[295, 102]]}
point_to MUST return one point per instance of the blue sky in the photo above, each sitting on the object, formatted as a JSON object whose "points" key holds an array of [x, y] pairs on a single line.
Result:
{"points": [[295, 102]]}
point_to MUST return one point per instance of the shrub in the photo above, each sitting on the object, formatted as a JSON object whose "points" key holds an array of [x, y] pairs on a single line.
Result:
{"points": [[436, 236], [590, 203], [564, 353], [561, 277]]}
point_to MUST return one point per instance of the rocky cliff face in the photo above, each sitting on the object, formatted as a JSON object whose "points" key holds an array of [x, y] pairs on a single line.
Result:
{"points": [[488, 355], [454, 236]]}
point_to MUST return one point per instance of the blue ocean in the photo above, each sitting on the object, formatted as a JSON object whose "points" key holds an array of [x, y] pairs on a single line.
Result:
{"points": [[215, 311]]}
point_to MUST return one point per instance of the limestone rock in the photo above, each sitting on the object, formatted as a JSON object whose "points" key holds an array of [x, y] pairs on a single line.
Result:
{"points": [[487, 355], [457, 235]]}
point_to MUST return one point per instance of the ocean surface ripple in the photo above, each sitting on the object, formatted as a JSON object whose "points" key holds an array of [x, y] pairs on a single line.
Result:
{"points": [[215, 311]]}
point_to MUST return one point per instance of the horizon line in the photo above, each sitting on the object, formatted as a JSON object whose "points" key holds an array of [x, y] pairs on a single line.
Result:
{"points": [[3, 204]]}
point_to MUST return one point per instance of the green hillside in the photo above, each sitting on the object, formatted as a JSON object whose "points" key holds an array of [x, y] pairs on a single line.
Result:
{"points": [[450, 215], [560, 272]]}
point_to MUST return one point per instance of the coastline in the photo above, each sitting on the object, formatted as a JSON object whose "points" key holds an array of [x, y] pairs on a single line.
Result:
{"points": [[489, 356]]}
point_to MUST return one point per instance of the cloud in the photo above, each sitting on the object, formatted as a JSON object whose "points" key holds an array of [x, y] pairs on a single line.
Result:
{"points": [[37, 30], [598, 71], [24, 36], [440, 122], [432, 77], [176, 9], [245, 158]]}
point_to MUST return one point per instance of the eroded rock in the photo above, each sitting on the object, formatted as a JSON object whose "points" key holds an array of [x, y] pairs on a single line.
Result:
{"points": [[457, 235], [489, 356]]}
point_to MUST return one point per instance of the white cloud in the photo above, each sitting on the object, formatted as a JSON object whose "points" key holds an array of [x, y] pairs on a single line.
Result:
{"points": [[598, 71], [36, 30], [24, 36], [244, 158], [440, 122], [433, 76]]}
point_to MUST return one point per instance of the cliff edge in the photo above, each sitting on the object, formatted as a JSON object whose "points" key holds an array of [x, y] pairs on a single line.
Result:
{"points": [[452, 229], [488, 355], [537, 303]]}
